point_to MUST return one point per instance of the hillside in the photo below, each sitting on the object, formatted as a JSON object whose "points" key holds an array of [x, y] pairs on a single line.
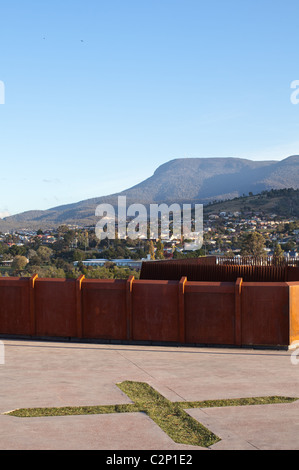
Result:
{"points": [[282, 202], [193, 180]]}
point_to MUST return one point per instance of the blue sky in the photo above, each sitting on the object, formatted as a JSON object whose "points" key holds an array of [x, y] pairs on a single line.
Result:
{"points": [[98, 93]]}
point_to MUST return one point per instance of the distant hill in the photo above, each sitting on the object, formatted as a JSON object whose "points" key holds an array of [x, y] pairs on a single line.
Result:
{"points": [[183, 180], [281, 202]]}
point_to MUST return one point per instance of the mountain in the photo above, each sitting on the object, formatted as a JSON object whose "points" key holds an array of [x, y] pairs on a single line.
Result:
{"points": [[284, 203], [183, 180]]}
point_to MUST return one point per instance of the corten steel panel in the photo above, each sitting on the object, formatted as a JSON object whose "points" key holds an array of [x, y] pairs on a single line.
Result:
{"points": [[195, 271], [210, 313], [15, 306], [294, 311], [293, 274], [155, 311], [104, 309], [265, 314], [55, 307]]}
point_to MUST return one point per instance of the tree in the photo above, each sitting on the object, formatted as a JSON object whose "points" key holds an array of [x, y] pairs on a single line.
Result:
{"points": [[3, 248], [160, 250], [152, 250], [44, 253], [78, 255], [15, 250], [278, 256], [253, 244], [289, 246], [19, 264]]}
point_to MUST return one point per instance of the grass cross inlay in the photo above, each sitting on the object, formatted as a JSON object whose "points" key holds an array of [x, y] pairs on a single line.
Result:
{"points": [[171, 417]]}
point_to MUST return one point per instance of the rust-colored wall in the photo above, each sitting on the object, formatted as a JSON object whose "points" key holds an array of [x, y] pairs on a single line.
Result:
{"points": [[55, 307], [186, 312], [15, 306], [292, 273], [265, 313], [155, 313], [206, 271], [210, 313], [294, 312], [104, 307]]}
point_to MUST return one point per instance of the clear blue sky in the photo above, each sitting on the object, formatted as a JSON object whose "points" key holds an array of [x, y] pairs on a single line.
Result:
{"points": [[99, 93]]}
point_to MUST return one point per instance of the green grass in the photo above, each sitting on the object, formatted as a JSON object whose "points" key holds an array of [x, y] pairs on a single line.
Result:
{"points": [[171, 417], [237, 402], [72, 410]]}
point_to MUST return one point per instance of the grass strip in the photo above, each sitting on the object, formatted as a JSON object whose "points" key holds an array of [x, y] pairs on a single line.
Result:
{"points": [[237, 402], [72, 410], [171, 417]]}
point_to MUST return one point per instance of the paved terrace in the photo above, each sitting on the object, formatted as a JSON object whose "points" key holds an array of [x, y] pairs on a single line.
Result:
{"points": [[56, 374]]}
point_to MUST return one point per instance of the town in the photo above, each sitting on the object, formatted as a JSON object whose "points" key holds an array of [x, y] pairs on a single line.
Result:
{"points": [[69, 251]]}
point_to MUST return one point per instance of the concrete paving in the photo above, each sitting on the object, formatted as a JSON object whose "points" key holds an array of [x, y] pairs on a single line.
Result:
{"points": [[46, 374]]}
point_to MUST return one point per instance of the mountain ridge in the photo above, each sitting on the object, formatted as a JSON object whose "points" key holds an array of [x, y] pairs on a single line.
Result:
{"points": [[181, 180]]}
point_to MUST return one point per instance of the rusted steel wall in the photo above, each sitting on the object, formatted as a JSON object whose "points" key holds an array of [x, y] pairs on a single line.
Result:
{"points": [[265, 313], [292, 273], [55, 307], [294, 312], [194, 271], [170, 311], [104, 309], [155, 312], [210, 313], [15, 307]]}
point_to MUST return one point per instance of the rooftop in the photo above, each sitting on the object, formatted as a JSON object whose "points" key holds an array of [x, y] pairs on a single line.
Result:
{"points": [[57, 374]]}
